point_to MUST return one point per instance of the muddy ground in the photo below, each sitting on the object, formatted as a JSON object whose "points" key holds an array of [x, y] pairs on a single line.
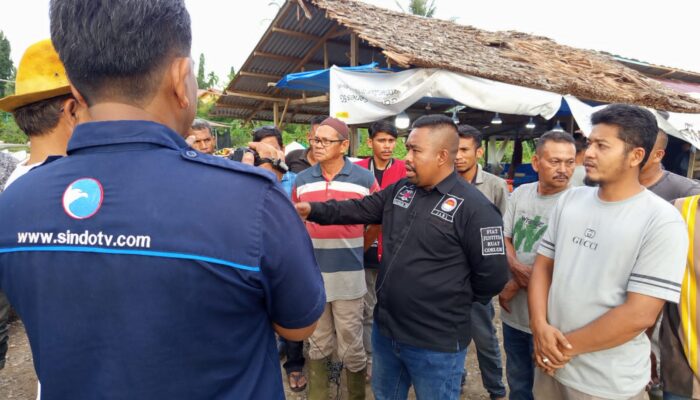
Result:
{"points": [[18, 380]]}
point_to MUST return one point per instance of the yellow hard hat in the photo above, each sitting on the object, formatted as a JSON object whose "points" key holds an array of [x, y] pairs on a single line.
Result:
{"points": [[40, 76]]}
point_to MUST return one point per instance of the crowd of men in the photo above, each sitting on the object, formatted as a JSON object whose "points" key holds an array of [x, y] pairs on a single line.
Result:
{"points": [[145, 267]]}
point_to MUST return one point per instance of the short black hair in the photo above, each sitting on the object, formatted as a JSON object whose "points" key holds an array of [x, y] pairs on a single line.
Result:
{"points": [[469, 132], [266, 131], [554, 136], [200, 124], [581, 142], [39, 118], [114, 49], [434, 121], [637, 127], [317, 120], [382, 126]]}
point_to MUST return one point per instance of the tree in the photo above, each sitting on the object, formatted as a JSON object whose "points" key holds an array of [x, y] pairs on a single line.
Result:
{"points": [[419, 7], [6, 67], [231, 75], [201, 79], [212, 80]]}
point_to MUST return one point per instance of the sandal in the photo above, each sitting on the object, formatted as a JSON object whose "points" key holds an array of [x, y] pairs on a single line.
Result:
{"points": [[294, 378]]}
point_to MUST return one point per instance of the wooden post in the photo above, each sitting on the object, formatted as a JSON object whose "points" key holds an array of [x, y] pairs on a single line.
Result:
{"points": [[275, 113], [354, 50], [354, 141], [354, 54], [325, 55]]}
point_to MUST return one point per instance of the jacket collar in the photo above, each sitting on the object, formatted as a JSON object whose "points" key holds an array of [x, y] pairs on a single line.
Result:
{"points": [[93, 134]]}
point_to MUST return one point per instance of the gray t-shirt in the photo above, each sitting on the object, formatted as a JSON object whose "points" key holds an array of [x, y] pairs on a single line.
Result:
{"points": [[672, 186], [602, 251], [525, 222]]}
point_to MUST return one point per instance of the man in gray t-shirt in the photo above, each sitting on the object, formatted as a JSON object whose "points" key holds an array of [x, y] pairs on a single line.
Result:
{"points": [[609, 260], [524, 222], [665, 184]]}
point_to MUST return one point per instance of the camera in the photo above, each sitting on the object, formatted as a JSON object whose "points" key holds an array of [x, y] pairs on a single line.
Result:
{"points": [[238, 153]]}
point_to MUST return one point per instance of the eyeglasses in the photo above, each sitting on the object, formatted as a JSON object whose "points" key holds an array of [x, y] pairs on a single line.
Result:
{"points": [[324, 142]]}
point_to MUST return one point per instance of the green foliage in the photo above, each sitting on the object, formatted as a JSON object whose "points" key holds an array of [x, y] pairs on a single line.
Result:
{"points": [[9, 131], [365, 151], [420, 7], [212, 80], [201, 79], [6, 67]]}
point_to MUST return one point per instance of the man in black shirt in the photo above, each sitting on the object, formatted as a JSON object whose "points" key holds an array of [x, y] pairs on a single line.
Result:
{"points": [[299, 160], [443, 250]]}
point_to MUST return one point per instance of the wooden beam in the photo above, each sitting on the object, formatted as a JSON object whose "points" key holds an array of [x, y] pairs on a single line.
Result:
{"points": [[284, 113], [340, 33], [275, 113], [325, 55], [354, 50], [310, 100], [234, 106], [300, 35], [300, 64], [281, 15], [278, 57], [269, 77], [254, 96], [665, 74]]}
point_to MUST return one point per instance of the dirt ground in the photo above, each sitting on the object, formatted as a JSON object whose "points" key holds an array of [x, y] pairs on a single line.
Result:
{"points": [[18, 380]]}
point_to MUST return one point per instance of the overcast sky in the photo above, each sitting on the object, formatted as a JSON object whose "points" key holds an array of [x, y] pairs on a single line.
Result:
{"points": [[226, 31]]}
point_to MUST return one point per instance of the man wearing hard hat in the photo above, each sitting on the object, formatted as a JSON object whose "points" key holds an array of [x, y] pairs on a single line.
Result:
{"points": [[45, 110]]}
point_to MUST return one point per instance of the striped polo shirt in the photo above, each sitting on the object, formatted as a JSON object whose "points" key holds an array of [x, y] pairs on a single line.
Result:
{"points": [[338, 248]]}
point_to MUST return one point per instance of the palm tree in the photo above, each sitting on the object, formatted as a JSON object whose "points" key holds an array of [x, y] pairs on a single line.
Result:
{"points": [[423, 8]]}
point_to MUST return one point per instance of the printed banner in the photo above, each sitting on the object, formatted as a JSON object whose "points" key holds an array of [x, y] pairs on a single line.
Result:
{"points": [[359, 97]]}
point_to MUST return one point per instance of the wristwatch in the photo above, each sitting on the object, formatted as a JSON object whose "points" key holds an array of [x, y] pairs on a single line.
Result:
{"points": [[278, 164]]}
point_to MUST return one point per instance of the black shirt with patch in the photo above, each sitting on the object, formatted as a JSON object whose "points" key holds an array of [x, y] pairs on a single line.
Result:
{"points": [[443, 250]]}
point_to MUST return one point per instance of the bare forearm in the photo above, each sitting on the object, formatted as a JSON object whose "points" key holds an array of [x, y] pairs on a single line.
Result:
{"points": [[538, 290], [612, 329]]}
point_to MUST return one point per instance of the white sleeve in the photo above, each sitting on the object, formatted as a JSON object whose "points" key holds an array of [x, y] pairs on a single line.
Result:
{"points": [[658, 270], [548, 242], [509, 215]]}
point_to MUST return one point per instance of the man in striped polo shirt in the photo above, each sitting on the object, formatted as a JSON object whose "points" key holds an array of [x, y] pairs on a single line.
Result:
{"points": [[339, 252]]}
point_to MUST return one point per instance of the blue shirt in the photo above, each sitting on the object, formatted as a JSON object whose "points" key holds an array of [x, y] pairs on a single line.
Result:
{"points": [[145, 270], [287, 182]]}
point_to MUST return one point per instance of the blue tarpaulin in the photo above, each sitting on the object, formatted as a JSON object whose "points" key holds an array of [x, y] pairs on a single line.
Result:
{"points": [[318, 80]]}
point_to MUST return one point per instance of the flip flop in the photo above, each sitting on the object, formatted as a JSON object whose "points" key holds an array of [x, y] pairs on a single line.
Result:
{"points": [[295, 377]]}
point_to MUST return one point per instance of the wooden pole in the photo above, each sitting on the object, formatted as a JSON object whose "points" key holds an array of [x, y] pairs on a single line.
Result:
{"points": [[275, 113], [354, 54], [284, 113]]}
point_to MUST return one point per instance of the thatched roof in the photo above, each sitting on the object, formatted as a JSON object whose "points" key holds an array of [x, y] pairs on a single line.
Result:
{"points": [[313, 34], [511, 57]]}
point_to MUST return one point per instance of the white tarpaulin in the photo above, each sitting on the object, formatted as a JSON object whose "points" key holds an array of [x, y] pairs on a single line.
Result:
{"points": [[359, 97], [683, 126]]}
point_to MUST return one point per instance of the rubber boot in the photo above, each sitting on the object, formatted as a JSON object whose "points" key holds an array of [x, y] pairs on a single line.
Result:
{"points": [[356, 384], [318, 379]]}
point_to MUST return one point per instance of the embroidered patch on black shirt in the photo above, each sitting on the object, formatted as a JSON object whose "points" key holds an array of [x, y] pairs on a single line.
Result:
{"points": [[405, 196], [447, 207], [492, 241]]}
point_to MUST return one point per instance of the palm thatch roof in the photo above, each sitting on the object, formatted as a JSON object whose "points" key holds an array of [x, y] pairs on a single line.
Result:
{"points": [[313, 34], [511, 57]]}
